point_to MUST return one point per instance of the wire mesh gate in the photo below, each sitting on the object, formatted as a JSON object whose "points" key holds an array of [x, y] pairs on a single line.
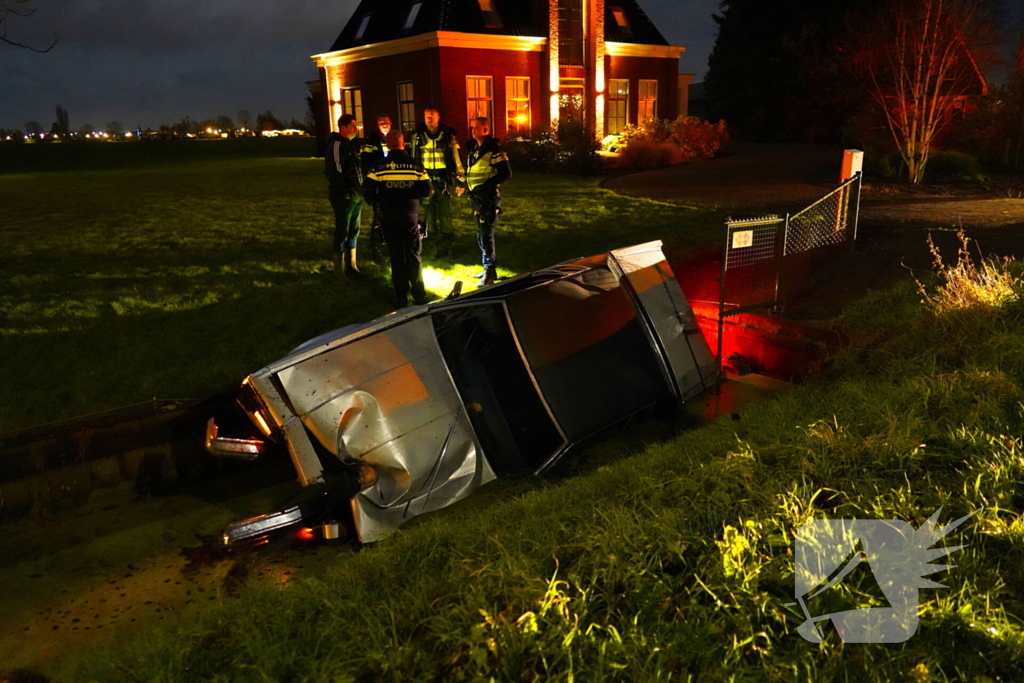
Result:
{"points": [[754, 259]]}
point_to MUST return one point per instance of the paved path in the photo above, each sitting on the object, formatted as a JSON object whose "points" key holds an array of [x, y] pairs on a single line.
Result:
{"points": [[768, 178]]}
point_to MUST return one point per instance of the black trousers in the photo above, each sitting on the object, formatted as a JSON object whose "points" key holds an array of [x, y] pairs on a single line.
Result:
{"points": [[401, 231]]}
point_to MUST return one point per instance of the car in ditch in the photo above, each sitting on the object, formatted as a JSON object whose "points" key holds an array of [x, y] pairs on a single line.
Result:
{"points": [[413, 412]]}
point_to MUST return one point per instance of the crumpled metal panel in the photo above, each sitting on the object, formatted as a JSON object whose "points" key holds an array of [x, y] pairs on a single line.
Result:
{"points": [[387, 400], [668, 310]]}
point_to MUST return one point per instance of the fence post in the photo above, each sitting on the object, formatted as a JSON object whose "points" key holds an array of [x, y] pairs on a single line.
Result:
{"points": [[721, 298], [856, 208], [781, 257]]}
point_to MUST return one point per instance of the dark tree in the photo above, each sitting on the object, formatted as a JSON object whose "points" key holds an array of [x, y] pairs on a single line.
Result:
{"points": [[14, 9], [777, 73], [63, 121], [267, 121], [33, 129]]}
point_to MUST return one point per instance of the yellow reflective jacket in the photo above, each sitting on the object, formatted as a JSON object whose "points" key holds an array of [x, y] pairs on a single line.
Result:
{"points": [[488, 165]]}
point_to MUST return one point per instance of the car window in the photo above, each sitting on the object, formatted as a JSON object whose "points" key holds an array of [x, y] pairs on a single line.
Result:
{"points": [[514, 428]]}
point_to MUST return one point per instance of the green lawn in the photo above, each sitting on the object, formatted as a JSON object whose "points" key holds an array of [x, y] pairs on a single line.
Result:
{"points": [[675, 564], [172, 269]]}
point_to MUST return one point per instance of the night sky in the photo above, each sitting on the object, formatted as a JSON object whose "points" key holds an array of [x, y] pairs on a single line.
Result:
{"points": [[147, 62]]}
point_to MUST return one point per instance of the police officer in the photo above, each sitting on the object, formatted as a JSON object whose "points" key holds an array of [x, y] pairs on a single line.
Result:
{"points": [[486, 169], [398, 183], [345, 178], [435, 146], [374, 148]]}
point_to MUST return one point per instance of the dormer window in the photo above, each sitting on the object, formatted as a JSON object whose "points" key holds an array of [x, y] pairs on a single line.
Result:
{"points": [[414, 12], [622, 21], [362, 26], [491, 17]]}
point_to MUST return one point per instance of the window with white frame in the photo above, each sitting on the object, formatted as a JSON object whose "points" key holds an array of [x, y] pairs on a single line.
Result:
{"points": [[352, 103], [618, 105], [406, 106], [648, 101], [517, 105], [480, 98]]}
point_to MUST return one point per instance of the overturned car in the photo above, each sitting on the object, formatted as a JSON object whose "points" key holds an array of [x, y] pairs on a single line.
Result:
{"points": [[415, 411]]}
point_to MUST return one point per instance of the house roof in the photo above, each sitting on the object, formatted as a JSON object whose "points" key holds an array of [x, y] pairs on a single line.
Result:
{"points": [[388, 18]]}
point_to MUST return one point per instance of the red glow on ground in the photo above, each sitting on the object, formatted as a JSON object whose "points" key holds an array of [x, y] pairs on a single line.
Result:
{"points": [[305, 534]]}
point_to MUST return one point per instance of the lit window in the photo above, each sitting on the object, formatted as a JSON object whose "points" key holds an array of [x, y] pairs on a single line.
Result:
{"points": [[352, 103], [517, 99], [618, 105], [479, 98], [622, 22], [648, 101], [491, 17], [414, 12], [362, 26], [406, 107]]}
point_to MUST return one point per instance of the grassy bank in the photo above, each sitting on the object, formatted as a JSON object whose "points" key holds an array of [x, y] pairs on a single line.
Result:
{"points": [[173, 269], [675, 564]]}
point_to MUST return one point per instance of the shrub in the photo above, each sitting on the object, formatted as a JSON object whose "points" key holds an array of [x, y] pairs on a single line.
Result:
{"points": [[883, 166], [966, 286], [699, 139], [570, 149], [953, 166], [691, 137], [649, 154]]}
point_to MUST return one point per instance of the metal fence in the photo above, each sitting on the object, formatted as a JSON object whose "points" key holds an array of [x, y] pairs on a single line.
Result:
{"points": [[756, 250]]}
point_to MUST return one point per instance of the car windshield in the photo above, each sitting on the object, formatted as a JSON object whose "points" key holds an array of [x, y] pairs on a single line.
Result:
{"points": [[514, 428]]}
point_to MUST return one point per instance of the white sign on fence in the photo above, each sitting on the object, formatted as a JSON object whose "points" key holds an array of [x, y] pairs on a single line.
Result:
{"points": [[743, 239]]}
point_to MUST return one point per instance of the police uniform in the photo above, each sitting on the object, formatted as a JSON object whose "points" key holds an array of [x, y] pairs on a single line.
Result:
{"points": [[342, 166], [440, 155], [398, 183], [486, 169], [371, 150]]}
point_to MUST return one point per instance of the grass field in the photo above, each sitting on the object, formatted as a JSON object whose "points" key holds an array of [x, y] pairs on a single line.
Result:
{"points": [[675, 564], [172, 269]]}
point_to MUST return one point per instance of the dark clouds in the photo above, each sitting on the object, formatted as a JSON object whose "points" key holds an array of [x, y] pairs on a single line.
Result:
{"points": [[147, 62]]}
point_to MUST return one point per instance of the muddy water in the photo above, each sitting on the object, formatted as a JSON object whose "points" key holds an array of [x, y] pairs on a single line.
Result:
{"points": [[118, 563]]}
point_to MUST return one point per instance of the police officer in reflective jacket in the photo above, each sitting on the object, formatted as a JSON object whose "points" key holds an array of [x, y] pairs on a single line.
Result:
{"points": [[486, 169], [435, 146], [398, 183]]}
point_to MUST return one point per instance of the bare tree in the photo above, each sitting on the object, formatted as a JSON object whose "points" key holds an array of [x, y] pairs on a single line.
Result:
{"points": [[245, 120], [63, 121], [18, 8], [920, 60], [115, 129], [33, 129]]}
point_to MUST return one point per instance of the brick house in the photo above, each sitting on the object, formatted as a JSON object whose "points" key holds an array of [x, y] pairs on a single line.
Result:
{"points": [[523, 63]]}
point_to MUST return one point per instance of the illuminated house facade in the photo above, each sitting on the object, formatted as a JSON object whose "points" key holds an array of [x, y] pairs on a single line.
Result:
{"points": [[525, 64]]}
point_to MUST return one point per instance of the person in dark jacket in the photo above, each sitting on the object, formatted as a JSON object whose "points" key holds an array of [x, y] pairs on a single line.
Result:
{"points": [[374, 148], [341, 164], [398, 183], [486, 169], [436, 147]]}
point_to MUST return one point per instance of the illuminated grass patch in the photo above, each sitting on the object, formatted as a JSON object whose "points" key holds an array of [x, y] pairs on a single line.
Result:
{"points": [[173, 271]]}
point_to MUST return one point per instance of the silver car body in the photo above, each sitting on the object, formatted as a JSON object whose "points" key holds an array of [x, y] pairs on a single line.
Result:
{"points": [[441, 399]]}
